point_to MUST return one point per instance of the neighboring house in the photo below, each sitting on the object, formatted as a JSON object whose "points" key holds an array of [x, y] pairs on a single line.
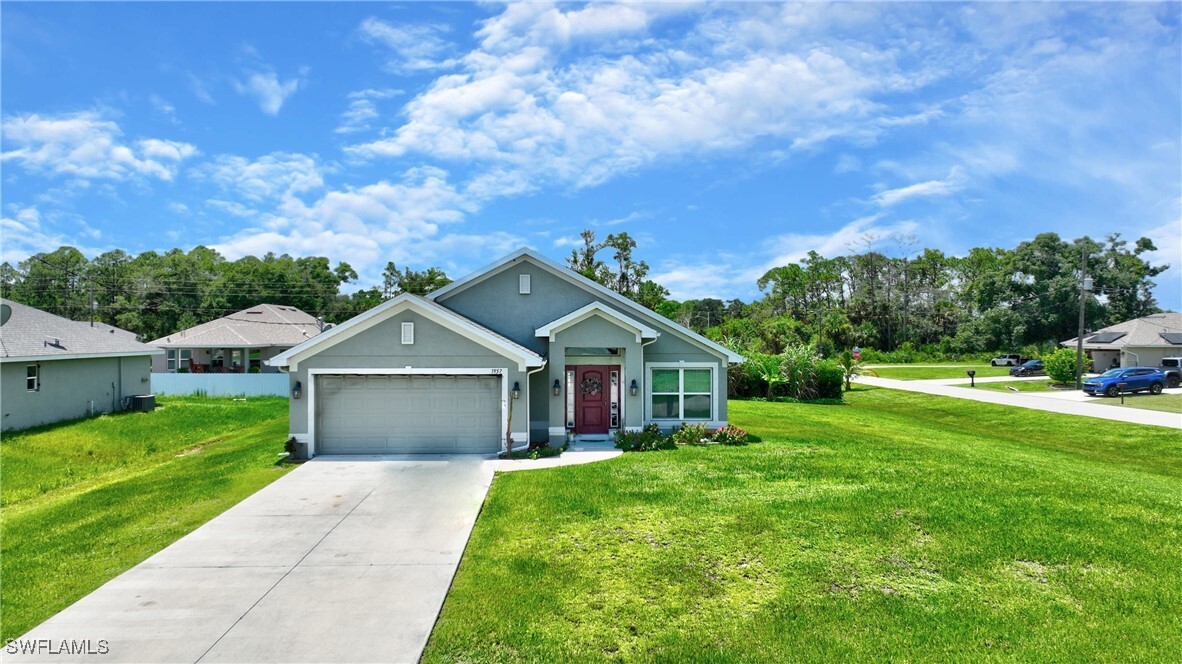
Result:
{"points": [[1141, 342], [523, 346], [235, 343], [56, 369]]}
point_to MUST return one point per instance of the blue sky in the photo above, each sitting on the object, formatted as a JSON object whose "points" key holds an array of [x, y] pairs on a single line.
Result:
{"points": [[727, 138]]}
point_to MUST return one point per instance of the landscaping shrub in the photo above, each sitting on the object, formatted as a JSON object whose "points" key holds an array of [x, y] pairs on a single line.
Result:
{"points": [[731, 435], [647, 439], [829, 376], [1060, 365], [691, 434]]}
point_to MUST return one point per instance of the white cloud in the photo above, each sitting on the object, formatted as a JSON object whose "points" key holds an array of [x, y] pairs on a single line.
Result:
{"points": [[26, 232], [178, 208], [416, 47], [268, 90], [163, 107], [363, 109], [86, 145], [955, 181], [519, 109], [200, 89], [275, 175]]}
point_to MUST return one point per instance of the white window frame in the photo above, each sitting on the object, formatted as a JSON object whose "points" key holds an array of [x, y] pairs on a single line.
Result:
{"points": [[648, 390], [33, 381], [178, 358], [408, 334], [523, 284]]}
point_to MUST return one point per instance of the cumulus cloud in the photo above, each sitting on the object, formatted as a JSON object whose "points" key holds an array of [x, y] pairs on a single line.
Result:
{"points": [[86, 145], [271, 176], [524, 107], [363, 109], [26, 231], [413, 47], [267, 89]]}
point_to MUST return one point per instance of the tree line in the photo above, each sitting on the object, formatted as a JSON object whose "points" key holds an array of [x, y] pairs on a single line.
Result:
{"points": [[887, 295]]}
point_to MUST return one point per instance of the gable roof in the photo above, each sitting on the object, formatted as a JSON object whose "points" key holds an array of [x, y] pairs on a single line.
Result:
{"points": [[260, 326], [1152, 330], [30, 334], [428, 309], [601, 310], [585, 283]]}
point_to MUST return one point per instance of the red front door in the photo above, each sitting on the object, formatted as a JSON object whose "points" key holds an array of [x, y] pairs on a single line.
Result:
{"points": [[592, 395]]}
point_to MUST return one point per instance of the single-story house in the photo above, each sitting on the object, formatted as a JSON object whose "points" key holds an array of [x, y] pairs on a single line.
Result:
{"points": [[523, 350], [57, 369], [236, 343], [1141, 342]]}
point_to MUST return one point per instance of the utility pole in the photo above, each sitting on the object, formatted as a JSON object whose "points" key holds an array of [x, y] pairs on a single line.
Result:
{"points": [[1085, 285]]}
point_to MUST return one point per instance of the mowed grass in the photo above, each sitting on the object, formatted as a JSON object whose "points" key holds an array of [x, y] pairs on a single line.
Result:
{"points": [[85, 501], [904, 372], [1170, 403], [898, 527], [1022, 386]]}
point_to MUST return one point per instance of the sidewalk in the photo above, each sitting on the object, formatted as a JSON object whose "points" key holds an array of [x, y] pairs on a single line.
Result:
{"points": [[1053, 403]]}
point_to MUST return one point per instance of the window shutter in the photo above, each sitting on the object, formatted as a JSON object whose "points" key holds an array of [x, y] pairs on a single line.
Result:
{"points": [[523, 284], [408, 333]]}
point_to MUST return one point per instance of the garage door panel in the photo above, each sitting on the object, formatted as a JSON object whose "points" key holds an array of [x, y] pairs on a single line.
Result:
{"points": [[380, 414]]}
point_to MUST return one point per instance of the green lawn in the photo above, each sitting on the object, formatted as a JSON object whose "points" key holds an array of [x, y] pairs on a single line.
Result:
{"points": [[1170, 403], [898, 527], [1021, 386], [904, 372], [86, 500]]}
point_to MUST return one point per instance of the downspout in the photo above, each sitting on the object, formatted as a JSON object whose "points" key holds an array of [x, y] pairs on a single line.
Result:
{"points": [[643, 378], [528, 398]]}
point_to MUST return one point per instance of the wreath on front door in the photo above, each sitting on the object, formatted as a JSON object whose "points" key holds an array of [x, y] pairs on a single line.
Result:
{"points": [[592, 385]]}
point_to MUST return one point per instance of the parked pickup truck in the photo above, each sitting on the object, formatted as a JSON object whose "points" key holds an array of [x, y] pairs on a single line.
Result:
{"points": [[1007, 360], [1172, 368]]}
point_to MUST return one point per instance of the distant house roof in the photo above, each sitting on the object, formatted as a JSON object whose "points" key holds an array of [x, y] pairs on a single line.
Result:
{"points": [[27, 333], [1154, 330], [260, 326]]}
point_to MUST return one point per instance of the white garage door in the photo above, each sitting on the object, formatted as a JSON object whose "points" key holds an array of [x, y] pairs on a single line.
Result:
{"points": [[408, 414]]}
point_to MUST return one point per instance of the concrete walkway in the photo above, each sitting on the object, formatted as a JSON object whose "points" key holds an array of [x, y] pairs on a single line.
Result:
{"points": [[1051, 402], [345, 559], [579, 453]]}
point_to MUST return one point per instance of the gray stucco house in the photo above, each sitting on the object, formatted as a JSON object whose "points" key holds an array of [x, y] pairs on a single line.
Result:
{"points": [[238, 343], [1141, 342], [523, 346], [53, 368]]}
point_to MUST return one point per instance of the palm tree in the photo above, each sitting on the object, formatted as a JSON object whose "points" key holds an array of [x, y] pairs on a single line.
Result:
{"points": [[851, 368]]}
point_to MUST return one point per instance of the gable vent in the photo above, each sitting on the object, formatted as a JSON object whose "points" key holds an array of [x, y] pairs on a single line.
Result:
{"points": [[523, 284], [408, 333]]}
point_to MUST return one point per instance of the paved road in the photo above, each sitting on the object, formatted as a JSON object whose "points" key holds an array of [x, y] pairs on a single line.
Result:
{"points": [[341, 560], [1050, 402]]}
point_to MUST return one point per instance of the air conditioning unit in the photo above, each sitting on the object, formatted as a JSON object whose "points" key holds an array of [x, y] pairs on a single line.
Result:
{"points": [[143, 403]]}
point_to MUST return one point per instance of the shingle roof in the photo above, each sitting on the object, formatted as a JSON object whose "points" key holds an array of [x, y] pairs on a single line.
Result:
{"points": [[1139, 332], [30, 332], [260, 326]]}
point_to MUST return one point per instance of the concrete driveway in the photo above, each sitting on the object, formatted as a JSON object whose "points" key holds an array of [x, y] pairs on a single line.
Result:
{"points": [[342, 560]]}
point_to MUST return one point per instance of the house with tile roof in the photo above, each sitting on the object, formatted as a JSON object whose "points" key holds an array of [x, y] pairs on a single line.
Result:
{"points": [[1141, 342], [241, 342], [54, 368]]}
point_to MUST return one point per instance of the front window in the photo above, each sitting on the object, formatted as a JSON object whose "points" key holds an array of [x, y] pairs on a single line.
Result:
{"points": [[33, 378], [681, 393], [179, 359]]}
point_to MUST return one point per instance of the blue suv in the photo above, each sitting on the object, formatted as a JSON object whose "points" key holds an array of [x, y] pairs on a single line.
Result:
{"points": [[1135, 379]]}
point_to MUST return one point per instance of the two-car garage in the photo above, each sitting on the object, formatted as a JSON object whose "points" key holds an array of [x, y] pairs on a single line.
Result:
{"points": [[408, 414]]}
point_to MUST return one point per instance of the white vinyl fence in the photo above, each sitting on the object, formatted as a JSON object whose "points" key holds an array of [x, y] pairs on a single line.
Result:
{"points": [[221, 385]]}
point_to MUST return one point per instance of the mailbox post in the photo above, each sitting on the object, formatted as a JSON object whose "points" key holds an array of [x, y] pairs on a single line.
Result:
{"points": [[972, 377]]}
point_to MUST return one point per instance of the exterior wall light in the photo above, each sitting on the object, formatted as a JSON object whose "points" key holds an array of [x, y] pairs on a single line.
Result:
{"points": [[297, 390], [633, 388], [516, 390], [557, 387]]}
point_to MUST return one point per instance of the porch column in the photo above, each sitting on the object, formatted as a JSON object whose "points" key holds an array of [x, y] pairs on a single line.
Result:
{"points": [[557, 410]]}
